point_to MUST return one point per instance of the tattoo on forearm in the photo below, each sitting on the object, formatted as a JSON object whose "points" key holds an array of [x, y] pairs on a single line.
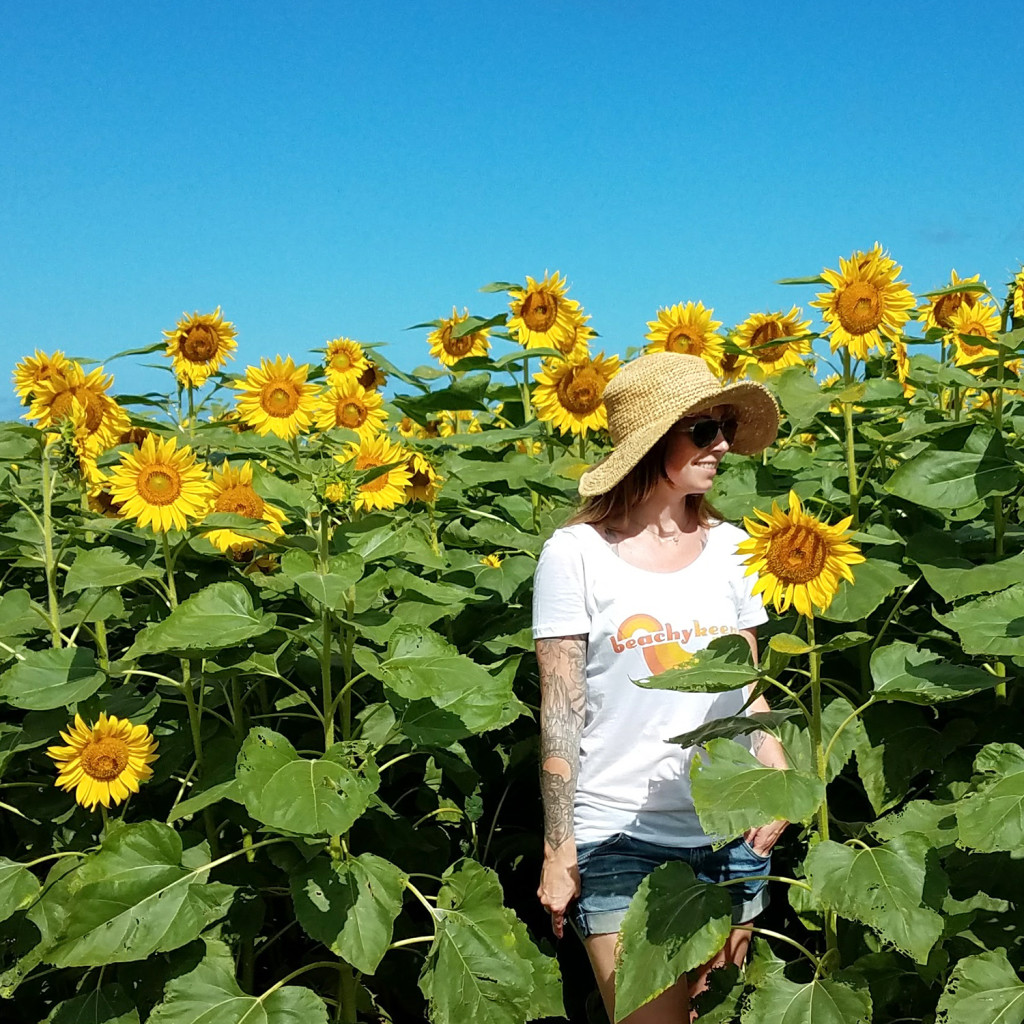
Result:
{"points": [[562, 663]]}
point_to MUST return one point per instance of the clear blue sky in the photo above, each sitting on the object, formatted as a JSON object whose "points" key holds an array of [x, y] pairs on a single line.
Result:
{"points": [[326, 169]]}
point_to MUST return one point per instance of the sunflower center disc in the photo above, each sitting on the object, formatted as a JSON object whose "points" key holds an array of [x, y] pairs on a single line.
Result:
{"points": [[104, 759], [199, 345], [580, 390], [242, 500], [859, 308], [351, 414], [540, 310], [368, 378], [767, 332], [684, 339], [280, 399], [947, 305], [797, 555], [158, 485], [456, 346], [419, 479]]}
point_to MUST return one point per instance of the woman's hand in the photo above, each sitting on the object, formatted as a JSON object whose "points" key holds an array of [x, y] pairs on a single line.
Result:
{"points": [[559, 884], [764, 837]]}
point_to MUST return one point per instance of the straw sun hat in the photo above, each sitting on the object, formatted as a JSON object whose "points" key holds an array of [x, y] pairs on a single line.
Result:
{"points": [[647, 396]]}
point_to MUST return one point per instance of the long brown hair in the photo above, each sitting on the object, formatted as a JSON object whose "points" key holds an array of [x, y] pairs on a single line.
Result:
{"points": [[635, 487]]}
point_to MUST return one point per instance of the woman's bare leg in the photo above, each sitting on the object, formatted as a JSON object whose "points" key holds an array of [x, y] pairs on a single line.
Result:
{"points": [[671, 1007]]}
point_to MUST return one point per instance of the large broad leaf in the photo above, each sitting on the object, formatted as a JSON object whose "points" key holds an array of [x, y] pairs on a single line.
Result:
{"points": [[903, 671], [982, 989], [319, 797], [210, 995], [19, 614], [882, 887], [482, 967], [105, 567], [823, 1001], [328, 588], [953, 578], [674, 924], [796, 739], [733, 791], [350, 906], [800, 395], [18, 887], [990, 625], [936, 822], [991, 817], [735, 725], [51, 679], [139, 895], [948, 479], [422, 666], [220, 615], [726, 664], [897, 743], [873, 582], [110, 1004]]}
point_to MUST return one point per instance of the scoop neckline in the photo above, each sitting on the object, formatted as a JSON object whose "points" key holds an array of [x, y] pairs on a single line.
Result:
{"points": [[619, 560]]}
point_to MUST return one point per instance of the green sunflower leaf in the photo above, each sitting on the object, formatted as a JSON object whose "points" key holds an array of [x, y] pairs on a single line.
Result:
{"points": [[674, 924], [51, 679], [822, 1001], [907, 672], [109, 1004], [309, 797], [983, 989], [481, 966], [990, 817], [18, 887], [209, 993]]}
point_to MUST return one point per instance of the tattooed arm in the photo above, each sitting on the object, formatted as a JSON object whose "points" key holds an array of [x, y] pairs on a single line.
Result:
{"points": [[562, 663]]}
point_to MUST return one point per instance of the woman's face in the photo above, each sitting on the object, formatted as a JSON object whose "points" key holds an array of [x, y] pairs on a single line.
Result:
{"points": [[690, 469]]}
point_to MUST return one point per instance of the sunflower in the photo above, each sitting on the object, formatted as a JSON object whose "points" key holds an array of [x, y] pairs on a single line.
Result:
{"points": [[688, 329], [233, 492], [344, 360], [199, 345], [160, 486], [798, 559], [389, 488], [902, 357], [760, 335], [276, 398], [337, 492], [461, 422], [1018, 295], [448, 348], [980, 321], [491, 561], [104, 762], [569, 394], [407, 427], [527, 447], [424, 483], [351, 406], [542, 317], [100, 419], [866, 302], [33, 370], [373, 376], [575, 343], [938, 311]]}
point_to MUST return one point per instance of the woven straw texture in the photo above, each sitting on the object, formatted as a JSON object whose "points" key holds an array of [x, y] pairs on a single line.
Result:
{"points": [[647, 396]]}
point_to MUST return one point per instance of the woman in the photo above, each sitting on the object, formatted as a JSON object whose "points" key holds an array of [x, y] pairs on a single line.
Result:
{"points": [[641, 577]]}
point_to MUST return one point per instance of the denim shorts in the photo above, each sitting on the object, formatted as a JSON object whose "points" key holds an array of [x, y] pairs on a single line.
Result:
{"points": [[611, 872]]}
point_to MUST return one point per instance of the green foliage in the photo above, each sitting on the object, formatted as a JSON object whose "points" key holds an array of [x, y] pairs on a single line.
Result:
{"points": [[343, 820]]}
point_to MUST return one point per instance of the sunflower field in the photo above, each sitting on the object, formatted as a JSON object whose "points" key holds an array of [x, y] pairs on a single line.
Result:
{"points": [[268, 701]]}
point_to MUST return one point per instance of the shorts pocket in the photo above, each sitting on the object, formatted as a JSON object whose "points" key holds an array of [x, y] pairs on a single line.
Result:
{"points": [[753, 852]]}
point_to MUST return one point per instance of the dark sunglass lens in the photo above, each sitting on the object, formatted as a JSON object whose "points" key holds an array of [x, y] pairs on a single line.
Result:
{"points": [[729, 429], [704, 432]]}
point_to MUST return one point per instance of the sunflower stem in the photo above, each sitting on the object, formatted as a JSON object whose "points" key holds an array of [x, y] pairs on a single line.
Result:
{"points": [[527, 408], [345, 1008], [851, 459], [821, 765], [49, 563], [191, 416], [325, 639]]}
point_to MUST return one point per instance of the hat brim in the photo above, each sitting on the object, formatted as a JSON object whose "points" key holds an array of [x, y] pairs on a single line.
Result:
{"points": [[757, 425]]}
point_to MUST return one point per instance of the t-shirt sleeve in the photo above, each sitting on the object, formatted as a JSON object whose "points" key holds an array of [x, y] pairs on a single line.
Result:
{"points": [[750, 610], [559, 592]]}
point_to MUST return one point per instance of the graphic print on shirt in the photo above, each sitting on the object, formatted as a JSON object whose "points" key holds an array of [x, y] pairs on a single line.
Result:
{"points": [[662, 645]]}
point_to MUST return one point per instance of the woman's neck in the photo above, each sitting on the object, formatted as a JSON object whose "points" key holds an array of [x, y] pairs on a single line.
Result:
{"points": [[660, 517]]}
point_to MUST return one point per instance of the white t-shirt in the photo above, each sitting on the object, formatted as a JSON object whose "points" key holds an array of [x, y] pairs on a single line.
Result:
{"points": [[638, 623]]}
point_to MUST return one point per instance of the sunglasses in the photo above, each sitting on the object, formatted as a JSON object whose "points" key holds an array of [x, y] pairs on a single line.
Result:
{"points": [[704, 432]]}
